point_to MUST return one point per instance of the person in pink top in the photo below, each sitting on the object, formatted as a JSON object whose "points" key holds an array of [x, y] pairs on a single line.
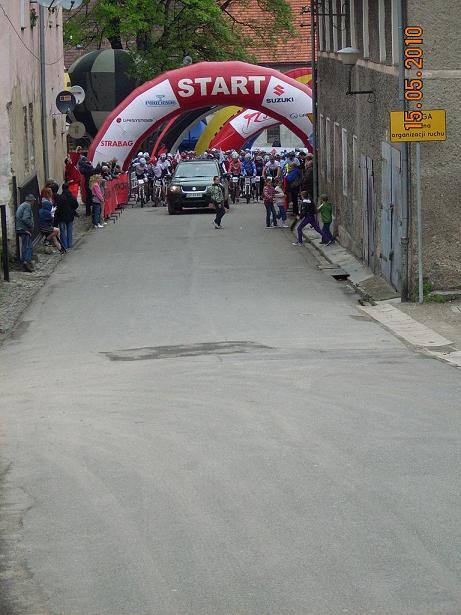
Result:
{"points": [[268, 196], [98, 200]]}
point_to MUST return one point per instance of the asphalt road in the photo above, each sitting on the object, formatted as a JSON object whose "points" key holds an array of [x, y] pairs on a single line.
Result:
{"points": [[200, 422]]}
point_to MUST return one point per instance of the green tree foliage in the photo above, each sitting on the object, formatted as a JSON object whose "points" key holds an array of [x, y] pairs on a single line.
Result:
{"points": [[159, 33]]}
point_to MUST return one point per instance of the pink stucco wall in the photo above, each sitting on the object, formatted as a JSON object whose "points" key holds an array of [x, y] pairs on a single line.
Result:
{"points": [[20, 112]]}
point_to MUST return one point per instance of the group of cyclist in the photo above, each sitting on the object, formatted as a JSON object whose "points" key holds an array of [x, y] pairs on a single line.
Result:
{"points": [[246, 170], [152, 176]]}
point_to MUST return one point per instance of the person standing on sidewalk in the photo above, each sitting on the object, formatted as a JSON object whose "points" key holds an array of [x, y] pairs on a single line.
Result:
{"points": [[24, 228], [66, 210], [97, 199], [326, 215], [217, 200], [279, 202], [268, 195], [308, 216]]}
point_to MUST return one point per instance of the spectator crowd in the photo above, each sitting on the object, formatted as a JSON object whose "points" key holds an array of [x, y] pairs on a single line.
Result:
{"points": [[58, 206]]}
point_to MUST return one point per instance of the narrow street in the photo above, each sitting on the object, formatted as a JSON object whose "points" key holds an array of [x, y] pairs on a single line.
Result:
{"points": [[197, 422]]}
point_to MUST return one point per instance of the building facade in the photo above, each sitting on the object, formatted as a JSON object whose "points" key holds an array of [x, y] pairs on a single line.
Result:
{"points": [[370, 180], [21, 143]]}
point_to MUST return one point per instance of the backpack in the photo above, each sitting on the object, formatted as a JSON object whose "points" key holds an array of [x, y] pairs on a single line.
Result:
{"points": [[297, 181]]}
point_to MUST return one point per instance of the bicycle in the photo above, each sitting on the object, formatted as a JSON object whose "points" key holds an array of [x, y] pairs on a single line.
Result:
{"points": [[247, 188], [157, 195], [141, 192], [165, 184], [256, 188], [235, 188]]}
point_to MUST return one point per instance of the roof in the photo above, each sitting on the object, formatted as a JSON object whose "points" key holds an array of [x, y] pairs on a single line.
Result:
{"points": [[292, 49]]}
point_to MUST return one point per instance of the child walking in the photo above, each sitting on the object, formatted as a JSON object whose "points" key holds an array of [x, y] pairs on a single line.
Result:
{"points": [[279, 202], [308, 216], [268, 195], [326, 215]]}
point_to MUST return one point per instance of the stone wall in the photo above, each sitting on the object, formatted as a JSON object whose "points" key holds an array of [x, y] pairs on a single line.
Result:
{"points": [[441, 178], [368, 122]]}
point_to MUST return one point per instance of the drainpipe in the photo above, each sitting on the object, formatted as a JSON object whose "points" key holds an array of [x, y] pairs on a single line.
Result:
{"points": [[46, 157], [404, 241], [315, 178]]}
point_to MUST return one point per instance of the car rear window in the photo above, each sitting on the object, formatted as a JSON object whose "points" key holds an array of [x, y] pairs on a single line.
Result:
{"points": [[196, 169]]}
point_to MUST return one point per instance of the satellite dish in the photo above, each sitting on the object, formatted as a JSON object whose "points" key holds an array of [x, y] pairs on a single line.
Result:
{"points": [[65, 101], [76, 130], [78, 92], [70, 5]]}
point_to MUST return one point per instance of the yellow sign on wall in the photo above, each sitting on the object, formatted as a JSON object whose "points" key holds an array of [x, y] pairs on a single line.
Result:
{"points": [[428, 125]]}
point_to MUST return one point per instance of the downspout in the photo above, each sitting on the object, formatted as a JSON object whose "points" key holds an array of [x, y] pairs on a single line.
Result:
{"points": [[46, 157], [315, 188], [404, 241]]}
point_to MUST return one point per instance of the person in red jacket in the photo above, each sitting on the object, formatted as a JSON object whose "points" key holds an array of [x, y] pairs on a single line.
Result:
{"points": [[72, 175]]}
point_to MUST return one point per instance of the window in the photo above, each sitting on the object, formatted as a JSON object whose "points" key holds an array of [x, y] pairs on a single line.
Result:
{"points": [[321, 27], [336, 157], [344, 152], [335, 22], [355, 168], [30, 134], [327, 26], [328, 148], [382, 31], [321, 151], [395, 33], [353, 35], [343, 22], [273, 135], [26, 138], [22, 14], [366, 32]]}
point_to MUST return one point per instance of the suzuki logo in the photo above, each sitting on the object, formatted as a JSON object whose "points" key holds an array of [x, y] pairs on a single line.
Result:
{"points": [[279, 90]]}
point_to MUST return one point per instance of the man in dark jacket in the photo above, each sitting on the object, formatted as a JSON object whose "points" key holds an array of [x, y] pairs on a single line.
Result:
{"points": [[24, 228], [66, 210], [293, 183], [308, 176]]}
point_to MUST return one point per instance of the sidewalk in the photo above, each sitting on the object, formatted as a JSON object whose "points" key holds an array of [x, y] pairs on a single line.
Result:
{"points": [[432, 328], [17, 294]]}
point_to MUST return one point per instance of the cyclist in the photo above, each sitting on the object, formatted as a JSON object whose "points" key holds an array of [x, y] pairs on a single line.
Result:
{"points": [[259, 164], [248, 170], [272, 168], [234, 168], [140, 170]]}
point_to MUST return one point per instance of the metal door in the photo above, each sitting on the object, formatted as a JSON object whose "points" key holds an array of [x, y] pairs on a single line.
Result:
{"points": [[391, 214], [368, 218], [386, 254]]}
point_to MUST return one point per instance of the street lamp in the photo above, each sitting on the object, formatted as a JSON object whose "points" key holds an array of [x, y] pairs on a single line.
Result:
{"points": [[349, 57]]}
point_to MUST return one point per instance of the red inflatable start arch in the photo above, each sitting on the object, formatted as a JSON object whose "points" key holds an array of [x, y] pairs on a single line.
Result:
{"points": [[195, 87]]}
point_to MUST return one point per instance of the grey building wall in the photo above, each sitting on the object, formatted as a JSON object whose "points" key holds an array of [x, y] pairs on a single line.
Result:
{"points": [[365, 180], [441, 166]]}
